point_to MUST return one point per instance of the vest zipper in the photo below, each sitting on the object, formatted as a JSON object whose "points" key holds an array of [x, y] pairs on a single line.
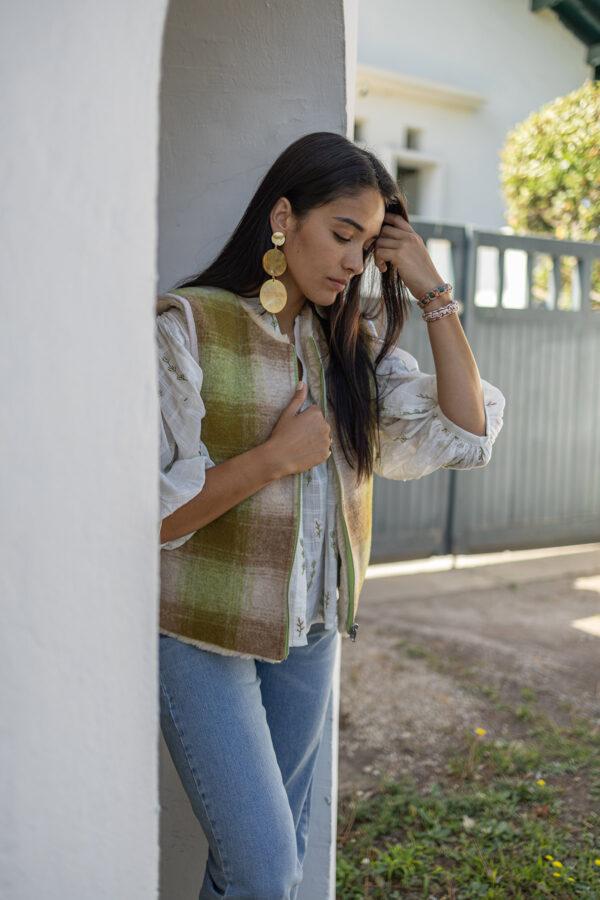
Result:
{"points": [[351, 626], [298, 485]]}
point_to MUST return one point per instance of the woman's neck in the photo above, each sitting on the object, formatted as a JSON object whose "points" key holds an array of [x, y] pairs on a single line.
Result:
{"points": [[287, 316], [294, 304]]}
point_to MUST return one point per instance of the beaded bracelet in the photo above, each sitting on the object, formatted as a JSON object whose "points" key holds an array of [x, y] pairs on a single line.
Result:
{"points": [[441, 311], [431, 295]]}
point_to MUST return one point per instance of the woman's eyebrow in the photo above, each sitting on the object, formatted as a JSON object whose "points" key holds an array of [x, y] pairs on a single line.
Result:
{"points": [[352, 222]]}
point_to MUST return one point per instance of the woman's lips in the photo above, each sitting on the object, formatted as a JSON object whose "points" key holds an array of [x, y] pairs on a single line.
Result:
{"points": [[339, 284]]}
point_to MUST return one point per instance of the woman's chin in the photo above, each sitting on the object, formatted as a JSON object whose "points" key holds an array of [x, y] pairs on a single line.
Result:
{"points": [[324, 297], [328, 296]]}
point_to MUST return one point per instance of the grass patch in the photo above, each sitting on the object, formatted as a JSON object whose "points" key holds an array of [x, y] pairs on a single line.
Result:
{"points": [[497, 841], [508, 817]]}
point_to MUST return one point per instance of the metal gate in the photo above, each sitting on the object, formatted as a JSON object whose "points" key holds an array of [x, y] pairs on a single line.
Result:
{"points": [[542, 484]]}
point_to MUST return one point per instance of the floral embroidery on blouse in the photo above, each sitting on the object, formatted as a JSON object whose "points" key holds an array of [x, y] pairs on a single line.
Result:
{"points": [[173, 368]]}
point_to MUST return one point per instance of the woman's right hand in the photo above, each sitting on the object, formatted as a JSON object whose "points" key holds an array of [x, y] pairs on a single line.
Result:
{"points": [[300, 440]]}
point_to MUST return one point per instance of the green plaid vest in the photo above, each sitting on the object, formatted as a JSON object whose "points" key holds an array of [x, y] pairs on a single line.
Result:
{"points": [[226, 588]]}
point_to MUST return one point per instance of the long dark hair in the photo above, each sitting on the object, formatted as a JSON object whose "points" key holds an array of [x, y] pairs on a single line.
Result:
{"points": [[314, 170]]}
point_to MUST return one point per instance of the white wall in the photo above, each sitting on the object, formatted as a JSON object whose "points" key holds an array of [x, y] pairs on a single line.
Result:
{"points": [[241, 81], [79, 450], [515, 60]]}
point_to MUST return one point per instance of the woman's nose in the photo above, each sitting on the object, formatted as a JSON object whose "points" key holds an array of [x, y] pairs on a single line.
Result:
{"points": [[355, 263]]}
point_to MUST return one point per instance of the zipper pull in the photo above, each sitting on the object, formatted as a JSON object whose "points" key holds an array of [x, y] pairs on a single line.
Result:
{"points": [[352, 631]]}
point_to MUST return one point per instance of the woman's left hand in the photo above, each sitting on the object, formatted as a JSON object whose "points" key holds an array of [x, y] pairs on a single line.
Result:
{"points": [[399, 244]]}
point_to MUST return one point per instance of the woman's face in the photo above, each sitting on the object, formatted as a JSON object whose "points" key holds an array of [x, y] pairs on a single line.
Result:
{"points": [[326, 249]]}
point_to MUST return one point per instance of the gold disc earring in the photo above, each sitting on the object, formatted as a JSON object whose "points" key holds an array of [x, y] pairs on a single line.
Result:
{"points": [[273, 295]]}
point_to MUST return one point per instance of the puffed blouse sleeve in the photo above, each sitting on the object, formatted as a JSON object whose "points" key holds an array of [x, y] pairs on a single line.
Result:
{"points": [[184, 458], [416, 437]]}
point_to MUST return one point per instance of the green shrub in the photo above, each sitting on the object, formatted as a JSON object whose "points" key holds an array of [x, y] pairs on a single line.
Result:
{"points": [[550, 175]]}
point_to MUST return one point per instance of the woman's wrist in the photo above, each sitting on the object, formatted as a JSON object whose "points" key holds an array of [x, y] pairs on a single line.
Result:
{"points": [[270, 461]]}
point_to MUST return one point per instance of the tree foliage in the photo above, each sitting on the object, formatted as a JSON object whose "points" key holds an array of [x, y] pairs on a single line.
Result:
{"points": [[550, 176], [550, 168]]}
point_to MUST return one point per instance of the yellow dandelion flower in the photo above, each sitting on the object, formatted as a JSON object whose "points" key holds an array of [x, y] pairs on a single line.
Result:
{"points": [[556, 874], [480, 731], [570, 878], [597, 862], [548, 856], [541, 782], [557, 863]]}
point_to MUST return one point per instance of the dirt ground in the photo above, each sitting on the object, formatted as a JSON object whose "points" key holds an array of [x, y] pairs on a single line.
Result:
{"points": [[507, 626]]}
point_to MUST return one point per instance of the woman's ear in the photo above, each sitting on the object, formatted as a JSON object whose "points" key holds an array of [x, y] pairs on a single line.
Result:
{"points": [[281, 215]]}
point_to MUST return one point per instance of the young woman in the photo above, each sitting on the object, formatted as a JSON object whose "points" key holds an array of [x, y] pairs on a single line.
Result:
{"points": [[282, 392]]}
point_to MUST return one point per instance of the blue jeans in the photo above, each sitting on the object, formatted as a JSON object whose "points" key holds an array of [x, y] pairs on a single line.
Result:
{"points": [[244, 736]]}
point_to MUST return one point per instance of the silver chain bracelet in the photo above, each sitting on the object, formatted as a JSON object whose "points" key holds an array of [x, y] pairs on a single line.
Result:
{"points": [[441, 311]]}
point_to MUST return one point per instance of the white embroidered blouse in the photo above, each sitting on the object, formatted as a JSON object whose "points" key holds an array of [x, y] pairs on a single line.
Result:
{"points": [[416, 438]]}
